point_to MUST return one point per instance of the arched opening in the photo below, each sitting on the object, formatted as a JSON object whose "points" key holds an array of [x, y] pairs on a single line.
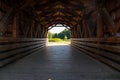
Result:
{"points": [[59, 34]]}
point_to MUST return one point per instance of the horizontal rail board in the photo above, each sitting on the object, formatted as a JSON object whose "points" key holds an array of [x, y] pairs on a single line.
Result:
{"points": [[13, 52], [102, 53], [12, 49], [21, 39], [107, 50], [102, 46], [102, 59], [102, 40], [9, 60], [17, 45]]}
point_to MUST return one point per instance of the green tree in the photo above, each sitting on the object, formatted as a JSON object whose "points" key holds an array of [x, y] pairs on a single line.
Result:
{"points": [[49, 35], [55, 35], [62, 35], [65, 38]]}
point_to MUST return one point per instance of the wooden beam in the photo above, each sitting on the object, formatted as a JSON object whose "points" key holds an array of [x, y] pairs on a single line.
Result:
{"points": [[5, 19], [15, 27], [108, 17], [100, 30]]}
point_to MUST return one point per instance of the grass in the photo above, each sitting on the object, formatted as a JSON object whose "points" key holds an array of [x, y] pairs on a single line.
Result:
{"points": [[58, 40], [55, 40]]}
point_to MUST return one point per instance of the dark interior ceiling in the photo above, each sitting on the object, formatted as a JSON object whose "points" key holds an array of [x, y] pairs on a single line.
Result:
{"points": [[67, 12], [51, 12]]}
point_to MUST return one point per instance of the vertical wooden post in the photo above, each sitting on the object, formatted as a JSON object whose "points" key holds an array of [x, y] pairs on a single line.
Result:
{"points": [[84, 29], [79, 33], [32, 30], [76, 29], [46, 33], [43, 32], [15, 27], [100, 27], [71, 33], [74, 32], [39, 31]]}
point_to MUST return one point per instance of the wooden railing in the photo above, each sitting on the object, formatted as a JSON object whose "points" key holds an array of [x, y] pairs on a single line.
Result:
{"points": [[106, 50], [12, 49]]}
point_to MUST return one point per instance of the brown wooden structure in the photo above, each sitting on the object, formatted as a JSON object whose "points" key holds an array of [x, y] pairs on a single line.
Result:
{"points": [[94, 26]]}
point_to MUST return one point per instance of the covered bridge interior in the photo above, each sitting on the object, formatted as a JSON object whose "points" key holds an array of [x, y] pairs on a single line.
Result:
{"points": [[94, 26]]}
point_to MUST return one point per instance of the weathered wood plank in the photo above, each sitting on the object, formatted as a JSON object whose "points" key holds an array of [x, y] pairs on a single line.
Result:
{"points": [[11, 59], [111, 48], [14, 48], [101, 40], [104, 49], [97, 57], [18, 45]]}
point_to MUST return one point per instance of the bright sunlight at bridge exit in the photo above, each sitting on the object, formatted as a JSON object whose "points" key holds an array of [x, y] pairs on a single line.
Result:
{"points": [[59, 34]]}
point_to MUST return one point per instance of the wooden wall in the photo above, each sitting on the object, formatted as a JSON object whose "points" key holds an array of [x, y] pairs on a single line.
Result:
{"points": [[98, 35], [106, 50], [21, 32], [12, 49]]}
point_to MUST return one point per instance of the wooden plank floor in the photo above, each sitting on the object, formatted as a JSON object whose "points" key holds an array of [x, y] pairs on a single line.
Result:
{"points": [[58, 62]]}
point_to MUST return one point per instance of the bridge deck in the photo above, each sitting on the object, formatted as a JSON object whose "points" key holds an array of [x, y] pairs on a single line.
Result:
{"points": [[58, 63]]}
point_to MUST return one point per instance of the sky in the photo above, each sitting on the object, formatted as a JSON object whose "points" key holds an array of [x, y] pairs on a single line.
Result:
{"points": [[57, 29]]}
